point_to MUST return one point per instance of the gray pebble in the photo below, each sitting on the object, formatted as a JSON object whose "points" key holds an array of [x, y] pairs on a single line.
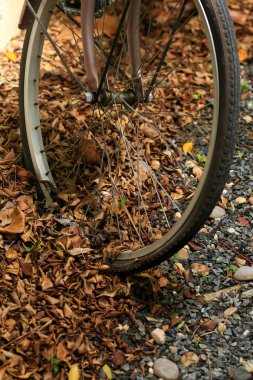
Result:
{"points": [[166, 369]]}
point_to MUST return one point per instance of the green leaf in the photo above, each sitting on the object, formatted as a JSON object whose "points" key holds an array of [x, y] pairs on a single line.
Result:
{"points": [[181, 325], [122, 201], [197, 96]]}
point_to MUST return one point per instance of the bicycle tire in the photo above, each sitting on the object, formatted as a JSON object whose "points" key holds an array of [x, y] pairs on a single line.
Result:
{"points": [[217, 18]]}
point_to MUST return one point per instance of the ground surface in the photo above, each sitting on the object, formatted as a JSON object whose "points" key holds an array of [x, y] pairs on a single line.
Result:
{"points": [[58, 310]]}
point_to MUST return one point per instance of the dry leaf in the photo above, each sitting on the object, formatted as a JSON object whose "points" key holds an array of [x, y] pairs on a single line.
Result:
{"points": [[149, 131], [27, 268], [179, 268], [163, 281], [243, 55], [11, 56], [209, 325], [141, 170], [107, 371], [201, 269], [118, 359], [17, 224], [88, 151], [197, 172], [228, 312], [74, 373], [189, 358], [61, 351], [247, 364], [78, 251], [188, 147], [222, 327]]}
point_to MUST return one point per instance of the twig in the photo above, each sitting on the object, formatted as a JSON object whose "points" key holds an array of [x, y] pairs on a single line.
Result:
{"points": [[26, 334], [237, 252]]}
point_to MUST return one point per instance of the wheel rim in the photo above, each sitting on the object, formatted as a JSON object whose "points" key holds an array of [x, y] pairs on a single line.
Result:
{"points": [[32, 98]]}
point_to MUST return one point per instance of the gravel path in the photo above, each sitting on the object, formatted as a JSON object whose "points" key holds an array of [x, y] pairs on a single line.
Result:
{"points": [[220, 345]]}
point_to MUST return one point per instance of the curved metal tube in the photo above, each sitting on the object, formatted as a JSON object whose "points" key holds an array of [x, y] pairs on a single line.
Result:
{"points": [[87, 25]]}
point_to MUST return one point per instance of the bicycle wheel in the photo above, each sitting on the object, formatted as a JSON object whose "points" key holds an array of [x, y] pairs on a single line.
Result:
{"points": [[141, 174]]}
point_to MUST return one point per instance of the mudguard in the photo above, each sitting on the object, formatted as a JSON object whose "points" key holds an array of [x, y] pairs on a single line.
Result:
{"points": [[26, 17]]}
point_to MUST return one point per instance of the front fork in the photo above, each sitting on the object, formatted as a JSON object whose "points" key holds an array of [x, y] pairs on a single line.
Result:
{"points": [[88, 9]]}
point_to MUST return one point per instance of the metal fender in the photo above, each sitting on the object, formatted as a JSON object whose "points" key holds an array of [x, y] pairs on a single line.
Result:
{"points": [[26, 18]]}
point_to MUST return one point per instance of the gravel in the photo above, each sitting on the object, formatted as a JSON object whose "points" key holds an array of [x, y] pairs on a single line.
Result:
{"points": [[219, 350]]}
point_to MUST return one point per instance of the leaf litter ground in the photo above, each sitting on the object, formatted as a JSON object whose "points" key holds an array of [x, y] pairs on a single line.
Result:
{"points": [[59, 307]]}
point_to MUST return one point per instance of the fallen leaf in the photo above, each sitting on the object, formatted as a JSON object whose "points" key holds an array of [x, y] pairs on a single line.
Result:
{"points": [[201, 269], [149, 131], [61, 351], [243, 55], [78, 251], [179, 268], [74, 373], [17, 224], [27, 268], [118, 359], [11, 56], [107, 24], [247, 364], [188, 147], [197, 172], [228, 312], [195, 246], [222, 327], [107, 371], [240, 262], [163, 281], [189, 358], [209, 325]]}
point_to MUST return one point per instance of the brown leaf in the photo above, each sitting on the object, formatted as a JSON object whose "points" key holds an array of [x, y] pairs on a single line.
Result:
{"points": [[149, 131], [61, 351], [189, 293], [179, 268], [118, 359], [88, 151], [189, 358], [201, 269], [163, 281], [228, 312], [209, 325], [107, 24], [11, 254], [222, 327], [195, 246], [27, 268], [17, 224]]}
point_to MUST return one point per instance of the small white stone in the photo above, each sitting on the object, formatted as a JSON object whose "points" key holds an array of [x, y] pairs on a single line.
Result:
{"points": [[244, 273], [231, 230], [150, 364], [159, 336], [166, 369], [218, 212], [150, 370], [247, 294]]}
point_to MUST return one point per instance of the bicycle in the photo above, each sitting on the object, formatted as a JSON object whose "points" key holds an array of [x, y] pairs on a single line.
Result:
{"points": [[129, 110]]}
